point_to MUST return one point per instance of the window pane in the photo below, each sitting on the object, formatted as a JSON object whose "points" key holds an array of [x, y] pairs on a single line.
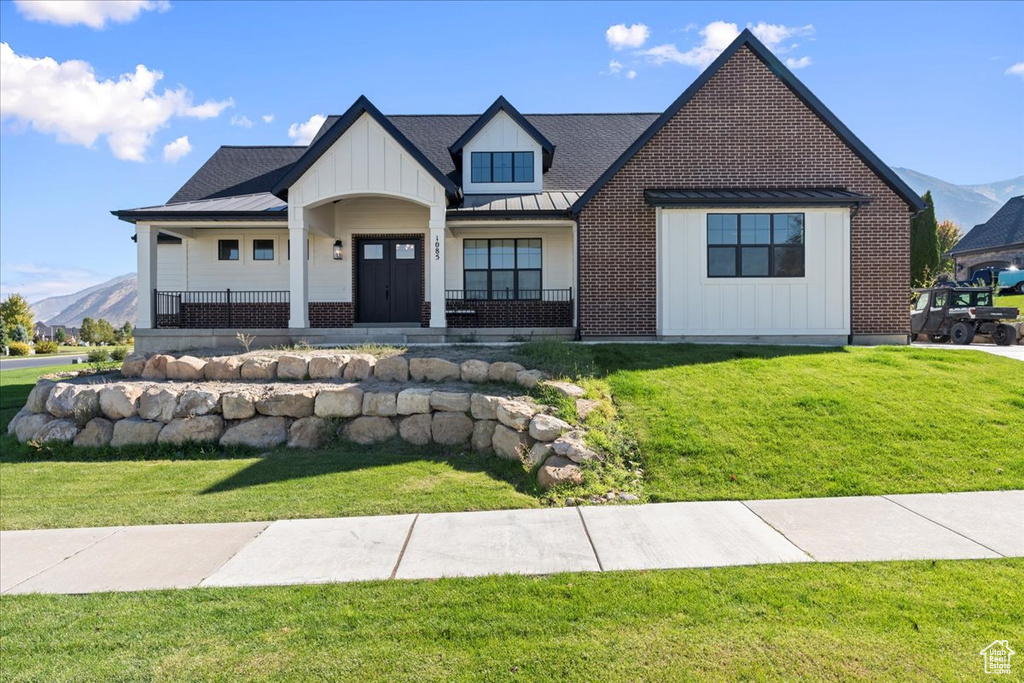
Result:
{"points": [[481, 167], [227, 250], [922, 302], [503, 253], [474, 254], [263, 250], [405, 251], [789, 261], [523, 167], [529, 284], [722, 228], [939, 299], [476, 284], [754, 261], [502, 284], [721, 261], [373, 252], [789, 228], [755, 228], [528, 253], [502, 167]]}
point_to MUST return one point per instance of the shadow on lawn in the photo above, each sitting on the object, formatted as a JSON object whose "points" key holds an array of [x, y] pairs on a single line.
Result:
{"points": [[615, 357]]}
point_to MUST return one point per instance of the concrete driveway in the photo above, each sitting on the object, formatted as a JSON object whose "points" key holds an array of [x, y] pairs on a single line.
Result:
{"points": [[1014, 352]]}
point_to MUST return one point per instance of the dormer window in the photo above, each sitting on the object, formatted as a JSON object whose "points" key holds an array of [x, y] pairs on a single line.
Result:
{"points": [[502, 167]]}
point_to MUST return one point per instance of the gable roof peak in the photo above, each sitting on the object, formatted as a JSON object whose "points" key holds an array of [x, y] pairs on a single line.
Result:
{"points": [[499, 105]]}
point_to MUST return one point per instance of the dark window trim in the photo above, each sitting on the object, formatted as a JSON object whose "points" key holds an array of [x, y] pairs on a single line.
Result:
{"points": [[515, 269], [490, 167], [739, 245], [238, 250], [273, 247]]}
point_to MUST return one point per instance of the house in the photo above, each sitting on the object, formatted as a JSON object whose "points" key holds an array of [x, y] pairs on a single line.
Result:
{"points": [[744, 211], [996, 243]]}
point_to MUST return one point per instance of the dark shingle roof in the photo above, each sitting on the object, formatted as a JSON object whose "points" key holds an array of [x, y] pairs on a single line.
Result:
{"points": [[1004, 229], [233, 171]]}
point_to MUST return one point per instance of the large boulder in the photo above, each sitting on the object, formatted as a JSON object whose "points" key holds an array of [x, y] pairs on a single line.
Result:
{"points": [[381, 404], [36, 402], [309, 432], [509, 443], [451, 429], [133, 365], [433, 370], [483, 435], [159, 403], [345, 401], [57, 430], [515, 414], [226, 368], [558, 470], [186, 369], [26, 426], [528, 379], [195, 402], [203, 429], [76, 401], [292, 367], [118, 401], [414, 401], [359, 367], [259, 368], [504, 372], [259, 432], [484, 407], [416, 429], [13, 423], [135, 431], [538, 453], [156, 367], [96, 434], [287, 402], [392, 369], [370, 430], [547, 427], [238, 405], [474, 371], [450, 401], [564, 388], [573, 447], [327, 367]]}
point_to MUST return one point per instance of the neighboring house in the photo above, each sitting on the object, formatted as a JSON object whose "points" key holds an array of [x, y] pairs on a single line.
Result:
{"points": [[996, 243], [745, 211], [42, 331]]}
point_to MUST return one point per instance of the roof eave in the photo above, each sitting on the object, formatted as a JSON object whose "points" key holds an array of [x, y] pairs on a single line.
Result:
{"points": [[134, 216], [501, 104], [471, 214]]}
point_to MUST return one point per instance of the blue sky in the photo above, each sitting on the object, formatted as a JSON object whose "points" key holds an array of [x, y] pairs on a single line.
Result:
{"points": [[933, 87]]}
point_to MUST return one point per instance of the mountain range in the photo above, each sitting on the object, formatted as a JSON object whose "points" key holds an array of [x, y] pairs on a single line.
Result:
{"points": [[967, 205], [114, 300]]}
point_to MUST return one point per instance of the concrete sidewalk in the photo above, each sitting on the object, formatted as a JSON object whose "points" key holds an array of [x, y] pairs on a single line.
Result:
{"points": [[544, 541]]}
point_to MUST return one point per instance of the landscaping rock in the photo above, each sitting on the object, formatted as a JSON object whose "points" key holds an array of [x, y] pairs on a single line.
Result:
{"points": [[547, 428], [585, 406], [36, 402], [450, 401], [483, 435], [393, 369], [509, 443], [203, 429], [76, 401], [381, 404], [484, 407], [289, 402], [259, 367], [259, 432], [345, 401], [416, 429], [119, 401], [514, 414], [564, 388], [327, 367], [133, 365], [24, 412], [359, 367], [451, 429], [309, 432], [194, 402], [156, 367], [186, 369], [528, 379], [159, 403], [292, 367], [135, 431], [504, 372], [57, 430], [27, 425], [433, 370], [573, 447], [370, 430], [238, 405], [558, 470], [96, 434], [474, 371], [539, 452], [227, 368], [414, 401]]}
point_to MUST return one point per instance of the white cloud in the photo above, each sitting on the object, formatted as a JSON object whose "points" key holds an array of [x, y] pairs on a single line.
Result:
{"points": [[36, 282], [177, 149], [268, 118], [614, 66], [773, 35], [719, 34], [798, 63], [302, 133], [1016, 70], [241, 121], [620, 36], [631, 74], [92, 13], [66, 99]]}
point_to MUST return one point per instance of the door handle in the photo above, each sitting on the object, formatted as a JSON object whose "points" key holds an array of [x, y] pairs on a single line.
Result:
{"points": [[387, 291]]}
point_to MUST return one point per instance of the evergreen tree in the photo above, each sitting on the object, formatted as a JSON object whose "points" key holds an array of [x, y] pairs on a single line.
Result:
{"points": [[87, 331], [15, 311], [924, 244], [60, 336]]}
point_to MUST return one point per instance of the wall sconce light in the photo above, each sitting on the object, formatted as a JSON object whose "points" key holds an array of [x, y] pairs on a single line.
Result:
{"points": [[338, 251]]}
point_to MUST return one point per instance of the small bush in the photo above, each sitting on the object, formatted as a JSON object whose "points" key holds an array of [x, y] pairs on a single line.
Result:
{"points": [[46, 347], [120, 353], [98, 355], [16, 348]]}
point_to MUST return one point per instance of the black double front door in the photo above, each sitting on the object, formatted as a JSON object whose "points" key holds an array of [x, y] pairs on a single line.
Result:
{"points": [[388, 280]]}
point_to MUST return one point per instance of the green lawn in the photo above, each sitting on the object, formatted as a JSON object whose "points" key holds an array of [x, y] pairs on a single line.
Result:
{"points": [[890, 621], [1015, 300]]}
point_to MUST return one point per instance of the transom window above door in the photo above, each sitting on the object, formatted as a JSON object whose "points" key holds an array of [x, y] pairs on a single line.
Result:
{"points": [[502, 269], [502, 167], [755, 245]]}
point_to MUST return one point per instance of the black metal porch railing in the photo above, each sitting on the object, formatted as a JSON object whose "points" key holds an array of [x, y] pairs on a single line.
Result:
{"points": [[508, 295], [220, 308]]}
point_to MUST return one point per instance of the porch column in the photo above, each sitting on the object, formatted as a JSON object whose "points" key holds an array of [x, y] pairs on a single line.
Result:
{"points": [[145, 242], [435, 254], [298, 269]]}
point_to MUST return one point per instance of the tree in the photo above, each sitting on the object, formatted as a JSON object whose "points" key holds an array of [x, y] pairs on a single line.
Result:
{"points": [[103, 332], [924, 244], [19, 334], [127, 331], [15, 311], [3, 339], [949, 233], [60, 336], [87, 331]]}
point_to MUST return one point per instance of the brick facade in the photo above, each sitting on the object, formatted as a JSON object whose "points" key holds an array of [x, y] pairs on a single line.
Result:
{"points": [[331, 314], [208, 316], [509, 313], [744, 129]]}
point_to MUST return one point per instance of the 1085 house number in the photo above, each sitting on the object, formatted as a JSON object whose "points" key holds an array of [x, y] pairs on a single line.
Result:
{"points": [[437, 249]]}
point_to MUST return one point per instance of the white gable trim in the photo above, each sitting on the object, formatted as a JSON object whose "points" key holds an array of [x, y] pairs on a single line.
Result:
{"points": [[502, 134]]}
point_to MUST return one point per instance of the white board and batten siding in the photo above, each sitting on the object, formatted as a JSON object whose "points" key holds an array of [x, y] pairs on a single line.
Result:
{"points": [[502, 134], [692, 304]]}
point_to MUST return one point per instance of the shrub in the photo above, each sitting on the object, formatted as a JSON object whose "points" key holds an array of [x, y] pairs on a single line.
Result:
{"points": [[46, 347], [17, 348], [98, 355], [120, 353], [19, 334]]}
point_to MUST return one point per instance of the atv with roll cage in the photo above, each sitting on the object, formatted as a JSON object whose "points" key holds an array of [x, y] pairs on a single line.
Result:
{"points": [[958, 313]]}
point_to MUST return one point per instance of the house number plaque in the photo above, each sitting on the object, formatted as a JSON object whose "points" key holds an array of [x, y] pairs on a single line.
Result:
{"points": [[437, 249]]}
